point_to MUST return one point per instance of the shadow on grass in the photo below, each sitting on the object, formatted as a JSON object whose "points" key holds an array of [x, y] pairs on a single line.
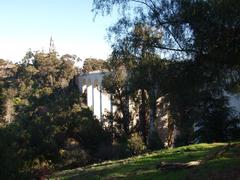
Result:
{"points": [[144, 167]]}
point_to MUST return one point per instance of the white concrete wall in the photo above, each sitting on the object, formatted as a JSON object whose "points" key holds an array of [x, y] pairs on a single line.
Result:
{"points": [[89, 93], [97, 100], [97, 97], [106, 103]]}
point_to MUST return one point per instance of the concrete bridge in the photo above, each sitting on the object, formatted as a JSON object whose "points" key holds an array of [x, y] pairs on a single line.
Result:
{"points": [[91, 84]]}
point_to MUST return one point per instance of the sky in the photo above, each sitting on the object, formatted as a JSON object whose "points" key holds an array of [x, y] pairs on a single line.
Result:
{"points": [[29, 24]]}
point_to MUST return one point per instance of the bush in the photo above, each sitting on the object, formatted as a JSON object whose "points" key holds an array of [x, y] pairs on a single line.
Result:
{"points": [[104, 153], [10, 162], [136, 144], [114, 151], [74, 157], [154, 142], [120, 150]]}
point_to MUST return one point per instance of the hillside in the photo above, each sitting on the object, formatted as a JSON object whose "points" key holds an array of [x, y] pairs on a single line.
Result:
{"points": [[221, 161]]}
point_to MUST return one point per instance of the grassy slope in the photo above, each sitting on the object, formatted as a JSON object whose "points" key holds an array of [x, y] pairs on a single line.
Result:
{"points": [[227, 166]]}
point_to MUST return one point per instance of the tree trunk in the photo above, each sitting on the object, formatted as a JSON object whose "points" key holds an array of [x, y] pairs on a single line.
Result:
{"points": [[9, 111], [142, 116], [124, 107], [126, 115], [151, 121], [153, 108]]}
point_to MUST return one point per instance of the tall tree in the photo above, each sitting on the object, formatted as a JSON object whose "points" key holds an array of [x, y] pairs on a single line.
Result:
{"points": [[204, 32], [115, 83], [204, 29], [147, 77]]}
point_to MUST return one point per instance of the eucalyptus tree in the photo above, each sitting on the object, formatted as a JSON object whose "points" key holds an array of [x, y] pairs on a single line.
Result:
{"points": [[203, 29], [147, 68], [147, 78], [144, 66], [116, 84], [203, 33]]}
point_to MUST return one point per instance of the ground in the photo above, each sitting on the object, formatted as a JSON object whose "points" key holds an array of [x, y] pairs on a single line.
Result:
{"points": [[224, 165]]}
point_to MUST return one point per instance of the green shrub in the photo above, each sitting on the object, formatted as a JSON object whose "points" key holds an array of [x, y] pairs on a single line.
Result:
{"points": [[10, 162], [120, 150], [136, 144], [104, 153], [74, 157], [117, 150]]}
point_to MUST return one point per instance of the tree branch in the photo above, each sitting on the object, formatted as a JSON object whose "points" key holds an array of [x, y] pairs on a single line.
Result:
{"points": [[163, 24]]}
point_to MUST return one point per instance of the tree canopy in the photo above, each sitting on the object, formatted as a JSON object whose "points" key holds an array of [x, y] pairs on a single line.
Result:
{"points": [[206, 30]]}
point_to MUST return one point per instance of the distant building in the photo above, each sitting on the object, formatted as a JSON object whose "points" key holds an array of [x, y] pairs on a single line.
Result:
{"points": [[91, 84]]}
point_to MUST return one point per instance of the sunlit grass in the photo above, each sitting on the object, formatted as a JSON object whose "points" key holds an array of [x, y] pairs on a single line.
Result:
{"points": [[144, 166]]}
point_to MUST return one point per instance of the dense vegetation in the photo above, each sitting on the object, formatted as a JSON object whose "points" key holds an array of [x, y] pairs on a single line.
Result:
{"points": [[47, 124], [177, 59]]}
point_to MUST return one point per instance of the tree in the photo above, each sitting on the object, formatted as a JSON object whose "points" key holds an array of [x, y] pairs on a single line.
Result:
{"points": [[147, 77], [91, 64], [115, 83], [214, 29], [204, 30], [218, 123], [203, 34], [7, 93]]}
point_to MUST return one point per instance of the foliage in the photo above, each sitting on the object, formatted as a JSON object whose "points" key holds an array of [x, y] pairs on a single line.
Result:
{"points": [[10, 161], [52, 128], [203, 30], [74, 156], [115, 83], [154, 142], [213, 25], [117, 150], [136, 144], [218, 123], [7, 70], [147, 77], [91, 64], [59, 126], [199, 33]]}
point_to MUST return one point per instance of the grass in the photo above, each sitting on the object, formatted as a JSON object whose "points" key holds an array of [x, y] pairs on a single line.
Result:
{"points": [[226, 166]]}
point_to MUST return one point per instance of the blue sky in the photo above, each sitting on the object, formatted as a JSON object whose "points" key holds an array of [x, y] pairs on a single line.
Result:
{"points": [[30, 24]]}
